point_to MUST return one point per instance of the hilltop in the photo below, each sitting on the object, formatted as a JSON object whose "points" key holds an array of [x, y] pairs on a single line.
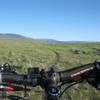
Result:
{"points": [[17, 36], [10, 35]]}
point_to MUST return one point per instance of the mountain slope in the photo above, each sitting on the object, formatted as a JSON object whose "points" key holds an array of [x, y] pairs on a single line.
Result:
{"points": [[49, 41], [10, 35]]}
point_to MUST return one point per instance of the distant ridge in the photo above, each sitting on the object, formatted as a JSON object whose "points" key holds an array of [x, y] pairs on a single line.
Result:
{"points": [[52, 41], [10, 35], [49, 41]]}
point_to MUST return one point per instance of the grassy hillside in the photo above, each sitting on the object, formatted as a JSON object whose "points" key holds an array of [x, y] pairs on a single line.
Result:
{"points": [[26, 53]]}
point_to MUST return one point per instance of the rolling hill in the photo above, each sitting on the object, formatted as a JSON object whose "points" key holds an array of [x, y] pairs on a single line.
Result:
{"points": [[10, 35], [25, 52], [49, 41]]}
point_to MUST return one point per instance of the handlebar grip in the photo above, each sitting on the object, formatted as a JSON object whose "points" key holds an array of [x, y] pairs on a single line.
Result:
{"points": [[17, 79], [80, 72], [12, 78]]}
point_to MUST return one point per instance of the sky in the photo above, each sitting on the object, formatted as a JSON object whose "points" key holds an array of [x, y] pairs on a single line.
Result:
{"points": [[65, 20]]}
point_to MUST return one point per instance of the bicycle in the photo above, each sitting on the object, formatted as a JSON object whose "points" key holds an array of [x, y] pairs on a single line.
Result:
{"points": [[50, 81]]}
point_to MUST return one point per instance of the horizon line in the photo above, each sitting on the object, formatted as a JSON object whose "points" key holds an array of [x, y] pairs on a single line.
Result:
{"points": [[48, 38]]}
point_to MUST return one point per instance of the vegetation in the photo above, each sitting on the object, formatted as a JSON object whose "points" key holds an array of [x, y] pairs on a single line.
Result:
{"points": [[26, 53]]}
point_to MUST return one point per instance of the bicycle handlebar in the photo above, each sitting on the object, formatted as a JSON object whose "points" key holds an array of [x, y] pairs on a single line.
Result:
{"points": [[61, 76], [74, 73], [16, 79], [49, 80]]}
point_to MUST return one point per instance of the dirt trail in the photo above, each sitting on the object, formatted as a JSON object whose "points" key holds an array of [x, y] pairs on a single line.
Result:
{"points": [[57, 58]]}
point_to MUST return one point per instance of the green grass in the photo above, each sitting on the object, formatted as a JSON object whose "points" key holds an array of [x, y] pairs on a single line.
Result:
{"points": [[31, 53]]}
